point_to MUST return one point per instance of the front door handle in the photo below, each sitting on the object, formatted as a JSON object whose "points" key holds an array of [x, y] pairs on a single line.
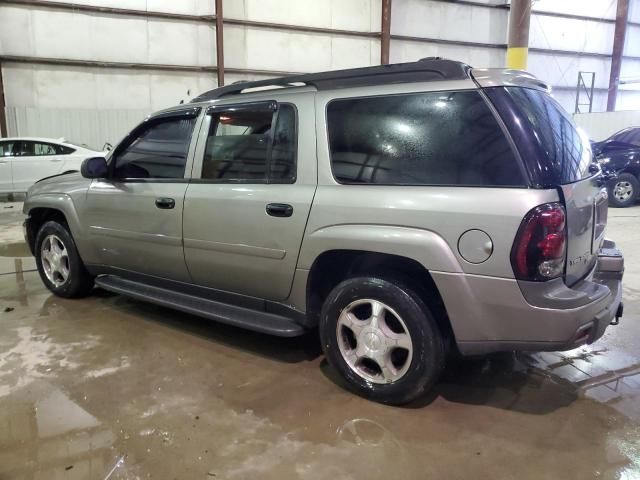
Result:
{"points": [[279, 209], [166, 203], [56, 160]]}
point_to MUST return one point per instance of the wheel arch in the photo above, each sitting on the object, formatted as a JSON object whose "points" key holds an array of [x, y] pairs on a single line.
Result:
{"points": [[333, 266], [52, 206]]}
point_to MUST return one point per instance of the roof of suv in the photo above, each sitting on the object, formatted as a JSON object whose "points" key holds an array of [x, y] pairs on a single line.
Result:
{"points": [[427, 69]]}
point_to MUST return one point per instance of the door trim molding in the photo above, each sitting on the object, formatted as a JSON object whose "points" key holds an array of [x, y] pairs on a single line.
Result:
{"points": [[236, 248], [137, 236]]}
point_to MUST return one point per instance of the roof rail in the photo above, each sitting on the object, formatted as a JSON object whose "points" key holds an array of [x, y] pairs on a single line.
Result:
{"points": [[424, 70]]}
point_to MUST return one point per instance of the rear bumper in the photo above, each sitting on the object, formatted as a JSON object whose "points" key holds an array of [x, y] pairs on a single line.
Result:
{"points": [[491, 314]]}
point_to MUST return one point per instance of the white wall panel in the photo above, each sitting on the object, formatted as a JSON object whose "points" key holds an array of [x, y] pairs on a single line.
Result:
{"points": [[587, 8], [410, 51], [634, 11], [421, 18], [562, 70], [189, 7], [50, 86], [628, 100], [105, 37], [360, 15], [265, 49], [632, 41], [568, 34], [601, 125]]}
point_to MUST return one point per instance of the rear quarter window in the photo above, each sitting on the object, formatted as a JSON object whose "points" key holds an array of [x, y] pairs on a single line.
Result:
{"points": [[554, 150], [435, 138]]}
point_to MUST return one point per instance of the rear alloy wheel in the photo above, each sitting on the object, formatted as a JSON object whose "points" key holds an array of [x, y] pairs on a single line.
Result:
{"points": [[374, 341], [623, 190], [382, 338]]}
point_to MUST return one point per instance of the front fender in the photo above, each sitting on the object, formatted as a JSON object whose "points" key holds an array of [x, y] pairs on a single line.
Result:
{"points": [[424, 246], [62, 202]]}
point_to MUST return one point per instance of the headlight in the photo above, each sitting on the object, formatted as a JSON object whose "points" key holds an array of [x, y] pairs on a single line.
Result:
{"points": [[603, 160]]}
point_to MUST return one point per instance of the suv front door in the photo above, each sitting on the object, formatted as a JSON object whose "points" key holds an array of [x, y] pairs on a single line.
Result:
{"points": [[135, 215], [247, 206]]}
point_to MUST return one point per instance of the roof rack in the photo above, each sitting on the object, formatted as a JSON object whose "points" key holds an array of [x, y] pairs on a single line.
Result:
{"points": [[424, 70]]}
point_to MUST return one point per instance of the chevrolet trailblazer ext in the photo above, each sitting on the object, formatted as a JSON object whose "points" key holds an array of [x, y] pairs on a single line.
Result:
{"points": [[405, 210]]}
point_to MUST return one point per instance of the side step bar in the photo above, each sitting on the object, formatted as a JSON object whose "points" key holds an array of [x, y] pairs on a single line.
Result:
{"points": [[246, 318]]}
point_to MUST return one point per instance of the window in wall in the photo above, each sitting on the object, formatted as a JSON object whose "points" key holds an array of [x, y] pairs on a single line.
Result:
{"points": [[159, 150], [435, 138], [241, 146]]}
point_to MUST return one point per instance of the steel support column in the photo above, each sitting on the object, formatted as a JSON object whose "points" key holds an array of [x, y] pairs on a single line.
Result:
{"points": [[518, 43], [385, 32], [219, 43], [622, 14], [3, 112]]}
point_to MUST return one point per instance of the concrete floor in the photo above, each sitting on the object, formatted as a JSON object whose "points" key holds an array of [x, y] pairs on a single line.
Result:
{"points": [[108, 387]]}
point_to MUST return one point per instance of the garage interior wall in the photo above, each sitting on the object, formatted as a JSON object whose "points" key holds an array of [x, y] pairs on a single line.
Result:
{"points": [[48, 95]]}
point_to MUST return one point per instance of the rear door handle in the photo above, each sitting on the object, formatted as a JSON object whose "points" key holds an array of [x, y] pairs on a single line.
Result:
{"points": [[56, 159], [166, 203], [279, 209]]}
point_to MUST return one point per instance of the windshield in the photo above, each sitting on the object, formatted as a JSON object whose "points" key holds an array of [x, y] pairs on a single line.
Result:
{"points": [[554, 150]]}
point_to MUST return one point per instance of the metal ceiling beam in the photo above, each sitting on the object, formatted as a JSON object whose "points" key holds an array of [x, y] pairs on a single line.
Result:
{"points": [[622, 15], [385, 29]]}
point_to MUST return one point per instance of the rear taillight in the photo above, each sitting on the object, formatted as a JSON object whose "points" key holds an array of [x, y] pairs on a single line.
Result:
{"points": [[538, 252]]}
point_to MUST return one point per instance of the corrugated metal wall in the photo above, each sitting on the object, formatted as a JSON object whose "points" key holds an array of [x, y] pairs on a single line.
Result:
{"points": [[92, 128]]}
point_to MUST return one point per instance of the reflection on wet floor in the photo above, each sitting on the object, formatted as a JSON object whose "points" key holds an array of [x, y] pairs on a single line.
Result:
{"points": [[108, 387]]}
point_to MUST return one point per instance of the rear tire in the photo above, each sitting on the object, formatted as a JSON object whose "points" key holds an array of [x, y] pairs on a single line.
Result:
{"points": [[394, 359], [59, 264], [623, 190]]}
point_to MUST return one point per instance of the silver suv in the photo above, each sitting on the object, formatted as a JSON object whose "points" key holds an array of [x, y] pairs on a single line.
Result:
{"points": [[407, 211]]}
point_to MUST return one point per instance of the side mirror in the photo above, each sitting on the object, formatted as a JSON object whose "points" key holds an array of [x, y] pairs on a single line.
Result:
{"points": [[94, 167]]}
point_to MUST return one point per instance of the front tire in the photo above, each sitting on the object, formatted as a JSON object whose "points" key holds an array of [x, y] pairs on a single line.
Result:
{"points": [[623, 190], [59, 264], [382, 338]]}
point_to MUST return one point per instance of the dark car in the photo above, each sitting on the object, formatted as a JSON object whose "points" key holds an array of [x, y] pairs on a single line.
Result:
{"points": [[619, 156]]}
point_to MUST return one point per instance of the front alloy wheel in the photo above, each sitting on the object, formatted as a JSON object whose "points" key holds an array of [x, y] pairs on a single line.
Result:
{"points": [[55, 260], [59, 263]]}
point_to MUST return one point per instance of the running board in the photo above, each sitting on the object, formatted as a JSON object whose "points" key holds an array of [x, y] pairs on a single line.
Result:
{"points": [[246, 318]]}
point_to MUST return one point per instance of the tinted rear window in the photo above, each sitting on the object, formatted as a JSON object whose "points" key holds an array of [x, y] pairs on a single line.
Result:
{"points": [[554, 150], [435, 138]]}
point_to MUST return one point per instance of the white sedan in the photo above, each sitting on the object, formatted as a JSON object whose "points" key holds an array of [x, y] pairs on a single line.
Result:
{"points": [[24, 161]]}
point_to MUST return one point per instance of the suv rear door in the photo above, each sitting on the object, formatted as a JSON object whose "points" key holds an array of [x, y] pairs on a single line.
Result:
{"points": [[558, 155], [134, 217], [247, 204]]}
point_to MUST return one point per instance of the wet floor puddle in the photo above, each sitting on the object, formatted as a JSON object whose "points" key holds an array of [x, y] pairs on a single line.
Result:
{"points": [[13, 250]]}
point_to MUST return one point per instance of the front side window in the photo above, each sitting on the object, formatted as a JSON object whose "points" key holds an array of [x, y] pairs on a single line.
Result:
{"points": [[435, 138], [24, 149], [251, 144], [157, 150], [6, 149]]}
